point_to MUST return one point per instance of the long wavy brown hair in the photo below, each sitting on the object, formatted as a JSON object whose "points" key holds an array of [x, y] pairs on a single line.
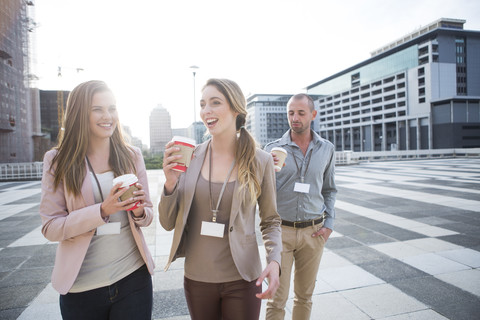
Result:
{"points": [[69, 162], [245, 144]]}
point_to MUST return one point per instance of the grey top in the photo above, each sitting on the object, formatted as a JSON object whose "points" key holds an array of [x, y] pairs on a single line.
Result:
{"points": [[209, 259], [317, 168]]}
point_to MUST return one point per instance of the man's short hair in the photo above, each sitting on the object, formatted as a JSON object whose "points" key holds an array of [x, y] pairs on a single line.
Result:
{"points": [[301, 96]]}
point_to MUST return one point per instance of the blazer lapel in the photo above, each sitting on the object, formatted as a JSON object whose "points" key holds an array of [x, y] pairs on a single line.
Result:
{"points": [[87, 188], [238, 194]]}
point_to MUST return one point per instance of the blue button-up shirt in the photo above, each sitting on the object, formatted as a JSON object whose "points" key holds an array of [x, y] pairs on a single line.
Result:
{"points": [[320, 175]]}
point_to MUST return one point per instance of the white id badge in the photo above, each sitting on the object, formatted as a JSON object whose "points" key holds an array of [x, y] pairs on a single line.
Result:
{"points": [[109, 228], [212, 229], [301, 187]]}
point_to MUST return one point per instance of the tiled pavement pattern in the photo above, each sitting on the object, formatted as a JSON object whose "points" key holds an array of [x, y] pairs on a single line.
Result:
{"points": [[406, 246]]}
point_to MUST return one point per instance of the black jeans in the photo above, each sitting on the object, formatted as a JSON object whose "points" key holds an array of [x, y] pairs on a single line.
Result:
{"points": [[128, 298]]}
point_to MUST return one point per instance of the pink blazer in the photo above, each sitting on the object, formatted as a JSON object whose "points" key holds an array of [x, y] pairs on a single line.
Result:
{"points": [[72, 221]]}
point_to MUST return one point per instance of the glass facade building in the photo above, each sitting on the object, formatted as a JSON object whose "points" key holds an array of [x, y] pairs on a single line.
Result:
{"points": [[419, 92]]}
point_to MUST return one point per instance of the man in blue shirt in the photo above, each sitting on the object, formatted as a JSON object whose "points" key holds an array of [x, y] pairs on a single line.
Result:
{"points": [[305, 200]]}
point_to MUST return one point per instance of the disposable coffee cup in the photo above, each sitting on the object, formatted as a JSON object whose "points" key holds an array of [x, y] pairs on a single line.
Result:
{"points": [[186, 146], [128, 181], [281, 154]]}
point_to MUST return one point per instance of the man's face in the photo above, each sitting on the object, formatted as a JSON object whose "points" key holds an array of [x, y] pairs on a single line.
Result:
{"points": [[300, 116]]}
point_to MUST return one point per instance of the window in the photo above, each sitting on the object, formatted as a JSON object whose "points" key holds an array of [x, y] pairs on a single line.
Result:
{"points": [[423, 60], [423, 51], [461, 57], [355, 80]]}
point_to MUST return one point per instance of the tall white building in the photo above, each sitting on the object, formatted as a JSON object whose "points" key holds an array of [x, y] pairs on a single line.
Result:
{"points": [[160, 129], [267, 116]]}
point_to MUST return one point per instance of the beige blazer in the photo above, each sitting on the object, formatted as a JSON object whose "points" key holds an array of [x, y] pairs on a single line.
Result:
{"points": [[72, 221], [175, 208]]}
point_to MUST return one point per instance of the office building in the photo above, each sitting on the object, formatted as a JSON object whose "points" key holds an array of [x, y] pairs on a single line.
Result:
{"points": [[160, 129], [267, 116], [50, 102], [19, 103], [134, 141], [419, 92], [196, 131], [181, 132]]}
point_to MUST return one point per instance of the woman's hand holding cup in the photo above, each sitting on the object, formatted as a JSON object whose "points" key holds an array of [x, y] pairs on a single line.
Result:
{"points": [[169, 162], [111, 203], [139, 198]]}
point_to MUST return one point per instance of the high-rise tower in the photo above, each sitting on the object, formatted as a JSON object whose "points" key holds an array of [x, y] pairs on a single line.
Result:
{"points": [[160, 129]]}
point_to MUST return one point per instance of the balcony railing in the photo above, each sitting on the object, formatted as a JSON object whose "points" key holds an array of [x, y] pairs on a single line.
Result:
{"points": [[21, 171]]}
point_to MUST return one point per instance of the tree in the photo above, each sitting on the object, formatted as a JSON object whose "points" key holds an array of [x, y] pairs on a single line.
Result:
{"points": [[153, 161]]}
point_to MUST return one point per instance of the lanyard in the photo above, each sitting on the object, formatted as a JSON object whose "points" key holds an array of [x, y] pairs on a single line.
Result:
{"points": [[95, 176], [215, 211], [299, 171]]}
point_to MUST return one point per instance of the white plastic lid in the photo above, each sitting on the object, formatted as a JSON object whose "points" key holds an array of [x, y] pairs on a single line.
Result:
{"points": [[279, 149], [184, 140], [127, 180]]}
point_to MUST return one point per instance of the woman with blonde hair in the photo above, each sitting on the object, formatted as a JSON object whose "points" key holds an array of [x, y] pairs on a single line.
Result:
{"points": [[103, 266], [212, 208]]}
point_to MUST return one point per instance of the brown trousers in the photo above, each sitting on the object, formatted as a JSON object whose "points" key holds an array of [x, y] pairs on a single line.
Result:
{"points": [[234, 300]]}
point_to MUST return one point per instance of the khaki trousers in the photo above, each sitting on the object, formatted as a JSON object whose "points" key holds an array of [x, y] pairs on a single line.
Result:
{"points": [[305, 251]]}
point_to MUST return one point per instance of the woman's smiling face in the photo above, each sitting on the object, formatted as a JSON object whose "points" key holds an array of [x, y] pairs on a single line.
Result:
{"points": [[216, 113], [103, 116]]}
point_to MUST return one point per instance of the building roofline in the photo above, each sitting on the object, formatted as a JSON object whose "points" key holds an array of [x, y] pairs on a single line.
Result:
{"points": [[453, 98], [397, 48], [448, 23], [251, 96]]}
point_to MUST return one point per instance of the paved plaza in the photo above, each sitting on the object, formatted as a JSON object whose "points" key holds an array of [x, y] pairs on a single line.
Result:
{"points": [[406, 245]]}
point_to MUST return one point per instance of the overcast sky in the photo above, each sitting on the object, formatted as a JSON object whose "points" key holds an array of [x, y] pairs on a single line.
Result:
{"points": [[143, 49]]}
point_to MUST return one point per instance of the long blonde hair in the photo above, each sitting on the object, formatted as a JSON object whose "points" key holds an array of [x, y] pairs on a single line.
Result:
{"points": [[74, 140], [245, 147]]}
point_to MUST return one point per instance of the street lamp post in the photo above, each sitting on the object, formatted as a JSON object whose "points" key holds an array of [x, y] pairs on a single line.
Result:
{"points": [[194, 70]]}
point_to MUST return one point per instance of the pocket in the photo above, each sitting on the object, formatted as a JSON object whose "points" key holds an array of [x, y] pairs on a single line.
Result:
{"points": [[322, 240]]}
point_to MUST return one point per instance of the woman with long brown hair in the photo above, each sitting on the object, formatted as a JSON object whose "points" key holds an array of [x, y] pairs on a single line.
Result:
{"points": [[103, 266], [212, 207]]}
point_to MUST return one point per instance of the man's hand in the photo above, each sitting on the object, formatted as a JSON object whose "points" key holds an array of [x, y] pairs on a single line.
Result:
{"points": [[324, 232]]}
